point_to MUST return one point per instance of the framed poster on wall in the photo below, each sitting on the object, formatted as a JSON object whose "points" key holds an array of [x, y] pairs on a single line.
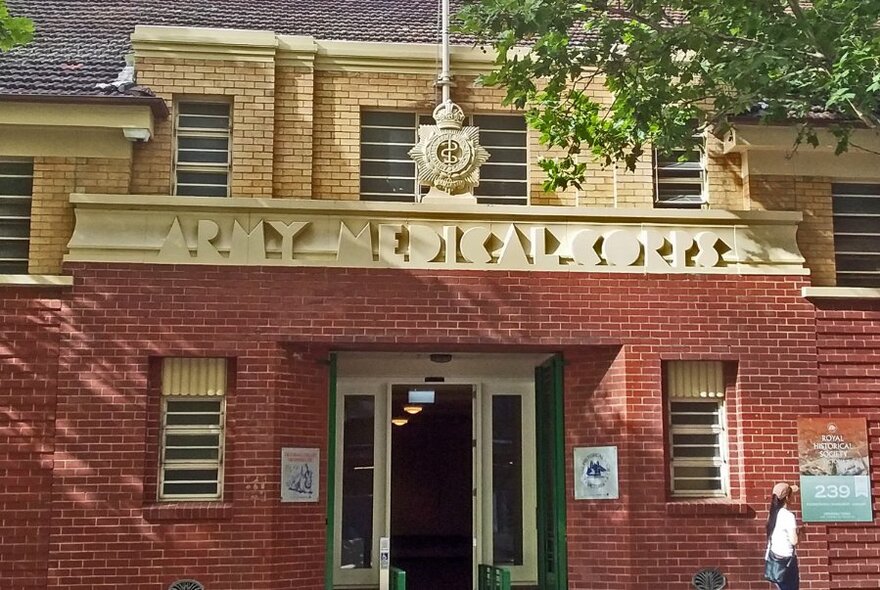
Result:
{"points": [[299, 474], [835, 470], [595, 473]]}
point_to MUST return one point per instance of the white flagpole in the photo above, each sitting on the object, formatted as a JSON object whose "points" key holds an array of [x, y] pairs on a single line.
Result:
{"points": [[444, 80]]}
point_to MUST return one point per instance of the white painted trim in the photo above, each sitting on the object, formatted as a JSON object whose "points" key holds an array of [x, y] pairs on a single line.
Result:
{"points": [[306, 51], [841, 292], [545, 213], [745, 137], [36, 280]]}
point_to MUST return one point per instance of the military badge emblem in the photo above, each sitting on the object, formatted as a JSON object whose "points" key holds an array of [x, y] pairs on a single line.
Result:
{"points": [[448, 155]]}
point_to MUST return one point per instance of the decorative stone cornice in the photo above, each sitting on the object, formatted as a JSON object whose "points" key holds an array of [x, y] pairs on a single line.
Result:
{"points": [[304, 51], [204, 43], [287, 232]]}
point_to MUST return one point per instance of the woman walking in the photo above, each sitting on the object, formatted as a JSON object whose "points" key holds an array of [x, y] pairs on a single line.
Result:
{"points": [[782, 536]]}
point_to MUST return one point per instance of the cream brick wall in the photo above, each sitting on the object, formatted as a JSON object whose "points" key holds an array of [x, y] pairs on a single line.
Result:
{"points": [[812, 196], [250, 85], [296, 134], [724, 172], [51, 211], [294, 125]]}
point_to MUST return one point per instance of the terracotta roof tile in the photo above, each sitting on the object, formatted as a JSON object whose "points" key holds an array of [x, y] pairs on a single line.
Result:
{"points": [[80, 43]]}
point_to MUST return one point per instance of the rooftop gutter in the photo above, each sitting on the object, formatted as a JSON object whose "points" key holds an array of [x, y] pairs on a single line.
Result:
{"points": [[156, 104]]}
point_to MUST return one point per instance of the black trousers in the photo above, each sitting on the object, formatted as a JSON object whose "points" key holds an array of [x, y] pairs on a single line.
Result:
{"points": [[792, 576]]}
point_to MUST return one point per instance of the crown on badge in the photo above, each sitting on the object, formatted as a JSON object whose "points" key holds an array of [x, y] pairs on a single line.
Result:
{"points": [[449, 115]]}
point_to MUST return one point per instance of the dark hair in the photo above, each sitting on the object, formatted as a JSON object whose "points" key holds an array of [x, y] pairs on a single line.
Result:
{"points": [[775, 505]]}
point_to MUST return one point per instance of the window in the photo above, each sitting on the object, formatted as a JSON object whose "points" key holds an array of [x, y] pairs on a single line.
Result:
{"points": [[697, 429], [389, 174], [16, 187], [680, 178], [202, 150], [857, 234], [192, 429]]}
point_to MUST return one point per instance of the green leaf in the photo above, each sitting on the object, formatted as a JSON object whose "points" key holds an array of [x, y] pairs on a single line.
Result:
{"points": [[674, 66], [14, 31]]}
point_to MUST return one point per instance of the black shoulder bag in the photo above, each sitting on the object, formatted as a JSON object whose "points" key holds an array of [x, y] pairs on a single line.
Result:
{"points": [[775, 567]]}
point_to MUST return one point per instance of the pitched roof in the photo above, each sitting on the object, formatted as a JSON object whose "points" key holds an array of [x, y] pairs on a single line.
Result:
{"points": [[80, 43]]}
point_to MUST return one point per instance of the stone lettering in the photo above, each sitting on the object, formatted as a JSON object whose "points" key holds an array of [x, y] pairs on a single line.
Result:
{"points": [[401, 244], [247, 247], [389, 243], [512, 255], [583, 248], [540, 258], [208, 231], [287, 232], [355, 249], [621, 248], [473, 245], [174, 247], [424, 244]]}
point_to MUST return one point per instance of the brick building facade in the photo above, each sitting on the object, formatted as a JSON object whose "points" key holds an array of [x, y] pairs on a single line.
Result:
{"points": [[160, 348]]}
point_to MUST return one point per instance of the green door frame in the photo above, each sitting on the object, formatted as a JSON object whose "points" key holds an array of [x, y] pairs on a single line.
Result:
{"points": [[550, 434], [331, 473]]}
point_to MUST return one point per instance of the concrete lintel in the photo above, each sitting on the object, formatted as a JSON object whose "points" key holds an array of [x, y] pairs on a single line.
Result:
{"points": [[841, 292]]}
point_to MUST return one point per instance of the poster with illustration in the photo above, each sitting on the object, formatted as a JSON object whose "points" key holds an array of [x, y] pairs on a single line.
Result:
{"points": [[835, 470], [595, 473], [299, 474]]}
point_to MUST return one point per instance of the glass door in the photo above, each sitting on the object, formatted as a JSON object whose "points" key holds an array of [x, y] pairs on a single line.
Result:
{"points": [[447, 471], [431, 489]]}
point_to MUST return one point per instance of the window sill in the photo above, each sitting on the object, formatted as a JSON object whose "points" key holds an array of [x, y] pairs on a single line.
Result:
{"points": [[841, 292], [188, 511], [709, 507], [36, 280]]}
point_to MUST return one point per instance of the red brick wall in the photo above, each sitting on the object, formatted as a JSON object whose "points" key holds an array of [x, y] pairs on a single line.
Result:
{"points": [[278, 325], [30, 320], [848, 336]]}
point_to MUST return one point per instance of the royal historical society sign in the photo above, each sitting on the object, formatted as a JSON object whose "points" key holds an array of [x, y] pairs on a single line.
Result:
{"points": [[835, 471]]}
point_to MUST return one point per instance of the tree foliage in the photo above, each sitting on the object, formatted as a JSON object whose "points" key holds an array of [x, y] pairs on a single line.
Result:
{"points": [[678, 66], [14, 30]]}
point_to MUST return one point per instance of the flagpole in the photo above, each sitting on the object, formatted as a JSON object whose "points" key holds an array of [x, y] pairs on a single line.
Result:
{"points": [[444, 80]]}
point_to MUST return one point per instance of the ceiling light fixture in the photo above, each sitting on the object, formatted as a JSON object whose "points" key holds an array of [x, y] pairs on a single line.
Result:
{"points": [[440, 357], [412, 409], [399, 421]]}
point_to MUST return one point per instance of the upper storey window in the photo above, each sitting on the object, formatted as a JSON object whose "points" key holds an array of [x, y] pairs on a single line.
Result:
{"points": [[680, 178], [389, 174], [16, 187], [202, 153], [857, 234]]}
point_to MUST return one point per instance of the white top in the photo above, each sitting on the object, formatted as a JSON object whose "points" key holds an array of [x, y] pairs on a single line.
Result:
{"points": [[780, 540]]}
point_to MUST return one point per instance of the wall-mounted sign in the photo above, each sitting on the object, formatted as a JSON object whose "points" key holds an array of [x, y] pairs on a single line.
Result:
{"points": [[299, 474], [834, 466], [286, 232], [595, 473]]}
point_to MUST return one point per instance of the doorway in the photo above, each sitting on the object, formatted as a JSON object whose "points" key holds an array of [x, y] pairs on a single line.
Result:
{"points": [[432, 491], [456, 485]]}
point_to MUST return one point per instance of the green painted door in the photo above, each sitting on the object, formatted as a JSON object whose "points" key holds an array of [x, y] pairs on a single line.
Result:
{"points": [[552, 558], [331, 473]]}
